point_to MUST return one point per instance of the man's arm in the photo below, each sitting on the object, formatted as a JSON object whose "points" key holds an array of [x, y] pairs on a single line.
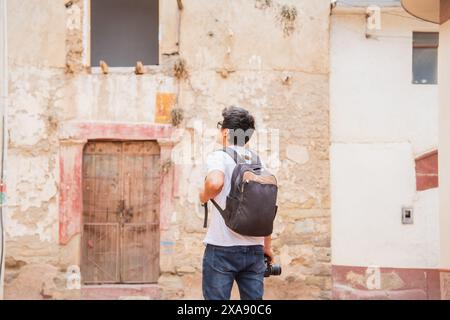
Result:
{"points": [[213, 185]]}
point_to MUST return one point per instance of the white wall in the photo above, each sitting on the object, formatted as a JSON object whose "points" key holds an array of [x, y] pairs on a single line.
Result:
{"points": [[444, 143], [370, 184], [380, 122]]}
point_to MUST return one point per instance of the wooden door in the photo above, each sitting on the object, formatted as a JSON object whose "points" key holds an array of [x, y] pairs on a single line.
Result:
{"points": [[120, 239]]}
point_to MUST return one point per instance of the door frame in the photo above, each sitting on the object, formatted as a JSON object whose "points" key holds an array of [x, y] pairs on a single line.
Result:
{"points": [[73, 137]]}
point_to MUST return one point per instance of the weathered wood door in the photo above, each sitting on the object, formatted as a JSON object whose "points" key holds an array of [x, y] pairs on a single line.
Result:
{"points": [[120, 238]]}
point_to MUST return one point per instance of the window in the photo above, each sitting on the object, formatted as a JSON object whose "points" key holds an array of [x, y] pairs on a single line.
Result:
{"points": [[425, 57], [124, 32]]}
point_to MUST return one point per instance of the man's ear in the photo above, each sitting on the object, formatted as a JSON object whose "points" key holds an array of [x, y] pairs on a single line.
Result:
{"points": [[225, 134]]}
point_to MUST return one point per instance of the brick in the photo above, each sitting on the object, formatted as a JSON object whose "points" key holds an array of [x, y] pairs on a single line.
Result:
{"points": [[427, 171]]}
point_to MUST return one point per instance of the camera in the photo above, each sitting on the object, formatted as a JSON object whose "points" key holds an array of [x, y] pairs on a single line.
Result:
{"points": [[271, 269]]}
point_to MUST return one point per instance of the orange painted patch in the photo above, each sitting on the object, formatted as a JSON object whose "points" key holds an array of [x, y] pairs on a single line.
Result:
{"points": [[164, 105]]}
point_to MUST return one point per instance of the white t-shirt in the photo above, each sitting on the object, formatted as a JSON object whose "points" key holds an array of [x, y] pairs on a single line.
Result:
{"points": [[218, 233]]}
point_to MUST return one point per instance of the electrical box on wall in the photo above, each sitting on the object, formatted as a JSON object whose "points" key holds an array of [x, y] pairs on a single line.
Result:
{"points": [[407, 215]]}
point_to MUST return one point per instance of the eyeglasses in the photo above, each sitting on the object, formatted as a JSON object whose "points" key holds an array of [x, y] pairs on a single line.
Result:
{"points": [[219, 125]]}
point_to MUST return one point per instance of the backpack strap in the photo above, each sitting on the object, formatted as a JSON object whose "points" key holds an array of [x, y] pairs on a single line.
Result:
{"points": [[255, 158], [234, 155], [238, 158], [205, 205], [205, 222], [217, 206]]}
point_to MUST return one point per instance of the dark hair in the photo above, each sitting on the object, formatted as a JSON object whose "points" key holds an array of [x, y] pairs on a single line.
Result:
{"points": [[240, 123]]}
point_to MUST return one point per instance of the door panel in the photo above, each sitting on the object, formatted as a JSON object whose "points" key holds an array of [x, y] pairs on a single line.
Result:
{"points": [[101, 253], [121, 212], [139, 254]]}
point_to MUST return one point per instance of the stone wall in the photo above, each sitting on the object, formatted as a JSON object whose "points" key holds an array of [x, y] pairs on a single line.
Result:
{"points": [[268, 56]]}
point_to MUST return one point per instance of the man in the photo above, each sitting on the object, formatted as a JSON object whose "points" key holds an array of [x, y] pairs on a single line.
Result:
{"points": [[230, 256]]}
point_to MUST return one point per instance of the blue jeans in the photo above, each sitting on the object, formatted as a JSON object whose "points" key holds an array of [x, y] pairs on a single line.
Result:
{"points": [[223, 265]]}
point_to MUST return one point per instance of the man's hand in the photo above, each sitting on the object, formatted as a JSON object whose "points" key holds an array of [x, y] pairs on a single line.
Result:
{"points": [[268, 248], [213, 186], [268, 252]]}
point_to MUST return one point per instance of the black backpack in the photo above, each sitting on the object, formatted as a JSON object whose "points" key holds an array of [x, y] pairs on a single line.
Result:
{"points": [[251, 204]]}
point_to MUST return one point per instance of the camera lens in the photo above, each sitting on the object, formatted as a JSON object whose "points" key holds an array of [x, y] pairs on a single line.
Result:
{"points": [[276, 270]]}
